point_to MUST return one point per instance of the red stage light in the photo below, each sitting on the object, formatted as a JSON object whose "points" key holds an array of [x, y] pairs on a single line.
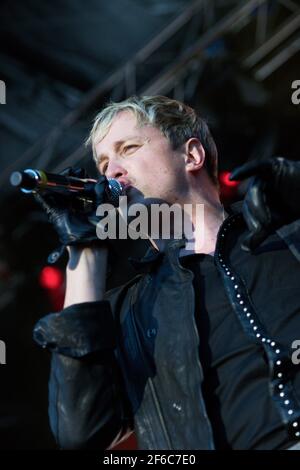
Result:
{"points": [[50, 278], [224, 180], [228, 189]]}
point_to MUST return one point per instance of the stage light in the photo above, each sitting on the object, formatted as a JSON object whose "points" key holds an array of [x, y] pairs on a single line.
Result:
{"points": [[50, 278], [228, 189], [224, 180]]}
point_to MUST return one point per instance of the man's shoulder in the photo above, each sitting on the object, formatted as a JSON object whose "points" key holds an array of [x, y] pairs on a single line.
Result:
{"points": [[289, 234]]}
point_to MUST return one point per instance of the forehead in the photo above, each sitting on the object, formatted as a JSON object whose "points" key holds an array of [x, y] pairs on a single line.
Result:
{"points": [[125, 126]]}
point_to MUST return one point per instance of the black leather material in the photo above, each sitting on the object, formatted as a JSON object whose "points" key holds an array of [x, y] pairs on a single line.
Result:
{"points": [[272, 199], [281, 368], [74, 220], [145, 380], [63, 332]]}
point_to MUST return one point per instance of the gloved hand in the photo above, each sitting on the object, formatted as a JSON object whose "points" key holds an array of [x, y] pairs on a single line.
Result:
{"points": [[74, 224], [273, 198]]}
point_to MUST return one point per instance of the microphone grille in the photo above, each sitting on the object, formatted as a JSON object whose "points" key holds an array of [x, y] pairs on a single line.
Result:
{"points": [[115, 190]]}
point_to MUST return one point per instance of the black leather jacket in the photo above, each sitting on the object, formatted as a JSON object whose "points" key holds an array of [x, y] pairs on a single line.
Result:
{"points": [[132, 359]]}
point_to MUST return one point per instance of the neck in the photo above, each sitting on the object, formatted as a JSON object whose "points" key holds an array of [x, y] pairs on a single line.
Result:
{"points": [[206, 225], [203, 227]]}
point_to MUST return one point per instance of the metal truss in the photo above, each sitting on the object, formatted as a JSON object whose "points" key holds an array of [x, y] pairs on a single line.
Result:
{"points": [[155, 69]]}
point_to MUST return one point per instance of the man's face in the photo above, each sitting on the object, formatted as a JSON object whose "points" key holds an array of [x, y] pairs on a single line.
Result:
{"points": [[142, 159]]}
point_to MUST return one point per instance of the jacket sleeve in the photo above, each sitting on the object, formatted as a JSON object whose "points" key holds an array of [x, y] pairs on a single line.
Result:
{"points": [[88, 407]]}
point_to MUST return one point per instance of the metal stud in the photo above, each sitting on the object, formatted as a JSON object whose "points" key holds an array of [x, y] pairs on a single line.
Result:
{"points": [[177, 407], [278, 363], [290, 412]]}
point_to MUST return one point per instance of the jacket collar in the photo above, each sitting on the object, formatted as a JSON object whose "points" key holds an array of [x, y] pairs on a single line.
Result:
{"points": [[153, 257]]}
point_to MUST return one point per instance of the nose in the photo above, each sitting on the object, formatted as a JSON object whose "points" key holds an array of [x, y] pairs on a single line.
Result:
{"points": [[115, 170]]}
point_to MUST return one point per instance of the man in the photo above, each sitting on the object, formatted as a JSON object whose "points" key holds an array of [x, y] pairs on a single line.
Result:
{"points": [[193, 352]]}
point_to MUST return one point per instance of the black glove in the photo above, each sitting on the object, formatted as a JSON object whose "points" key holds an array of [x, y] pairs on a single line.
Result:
{"points": [[73, 219], [273, 198]]}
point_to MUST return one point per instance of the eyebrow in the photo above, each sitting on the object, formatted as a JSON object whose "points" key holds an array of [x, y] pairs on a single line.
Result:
{"points": [[117, 145]]}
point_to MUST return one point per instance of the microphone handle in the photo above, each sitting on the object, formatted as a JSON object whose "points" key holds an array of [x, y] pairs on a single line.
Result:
{"points": [[30, 180]]}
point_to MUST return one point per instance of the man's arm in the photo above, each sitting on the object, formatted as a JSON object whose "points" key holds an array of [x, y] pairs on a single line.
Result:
{"points": [[86, 274], [88, 407]]}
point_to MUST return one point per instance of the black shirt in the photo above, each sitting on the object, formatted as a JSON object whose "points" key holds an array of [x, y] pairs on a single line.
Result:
{"points": [[236, 383]]}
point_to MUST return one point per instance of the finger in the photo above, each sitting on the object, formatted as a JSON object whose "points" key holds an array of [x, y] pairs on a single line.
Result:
{"points": [[258, 232], [70, 199], [257, 204], [42, 201], [252, 222], [101, 184], [80, 173], [99, 189], [254, 168], [47, 204], [66, 171], [76, 172], [50, 201]]}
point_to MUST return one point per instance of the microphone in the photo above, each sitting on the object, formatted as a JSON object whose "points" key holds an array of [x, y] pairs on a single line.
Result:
{"points": [[31, 180]]}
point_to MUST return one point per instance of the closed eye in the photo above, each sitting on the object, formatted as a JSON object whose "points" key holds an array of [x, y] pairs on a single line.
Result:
{"points": [[130, 148], [126, 149], [103, 168]]}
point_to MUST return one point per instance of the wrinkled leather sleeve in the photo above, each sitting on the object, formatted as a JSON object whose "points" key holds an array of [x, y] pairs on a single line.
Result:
{"points": [[88, 407]]}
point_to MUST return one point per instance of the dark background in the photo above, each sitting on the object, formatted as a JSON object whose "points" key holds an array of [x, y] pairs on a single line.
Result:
{"points": [[234, 61]]}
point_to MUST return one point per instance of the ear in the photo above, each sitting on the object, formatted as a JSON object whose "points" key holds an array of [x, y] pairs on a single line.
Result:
{"points": [[195, 155]]}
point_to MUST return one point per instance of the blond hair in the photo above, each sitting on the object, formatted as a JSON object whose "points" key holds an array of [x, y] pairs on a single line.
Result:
{"points": [[177, 122]]}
